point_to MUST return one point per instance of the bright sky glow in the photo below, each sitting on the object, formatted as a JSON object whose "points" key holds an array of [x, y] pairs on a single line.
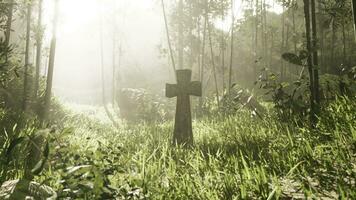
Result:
{"points": [[239, 6], [139, 28]]}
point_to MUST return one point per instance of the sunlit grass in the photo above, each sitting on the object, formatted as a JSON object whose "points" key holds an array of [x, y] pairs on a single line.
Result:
{"points": [[236, 157]]}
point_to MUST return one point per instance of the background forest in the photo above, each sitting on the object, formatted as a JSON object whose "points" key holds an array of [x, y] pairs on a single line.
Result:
{"points": [[83, 112]]}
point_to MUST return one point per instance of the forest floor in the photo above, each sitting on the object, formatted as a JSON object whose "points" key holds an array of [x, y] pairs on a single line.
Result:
{"points": [[236, 157]]}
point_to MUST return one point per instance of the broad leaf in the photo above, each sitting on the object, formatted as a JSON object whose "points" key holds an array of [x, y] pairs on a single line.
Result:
{"points": [[39, 166], [12, 146], [292, 58], [303, 54]]}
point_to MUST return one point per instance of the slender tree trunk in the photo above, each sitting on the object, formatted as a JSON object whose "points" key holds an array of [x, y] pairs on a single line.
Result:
{"points": [[27, 59], [9, 22], [213, 65], [322, 38], [107, 111], [286, 49], [7, 37], [202, 69], [353, 2], [282, 44], [180, 36], [223, 61], [271, 49], [114, 59], [333, 40], [232, 45], [191, 56], [191, 40], [39, 37], [310, 62], [114, 72], [294, 35], [294, 29], [294, 9], [223, 68], [222, 49], [199, 53], [256, 40], [350, 44], [168, 39], [52, 55], [343, 43], [264, 36], [315, 57]]}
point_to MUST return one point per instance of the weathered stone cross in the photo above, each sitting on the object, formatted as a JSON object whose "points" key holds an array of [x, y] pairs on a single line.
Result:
{"points": [[183, 133]]}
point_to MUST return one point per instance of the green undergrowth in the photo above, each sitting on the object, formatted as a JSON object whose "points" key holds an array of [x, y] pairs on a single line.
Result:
{"points": [[236, 157]]}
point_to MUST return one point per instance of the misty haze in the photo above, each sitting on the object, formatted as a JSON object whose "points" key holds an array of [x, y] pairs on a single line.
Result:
{"points": [[177, 99]]}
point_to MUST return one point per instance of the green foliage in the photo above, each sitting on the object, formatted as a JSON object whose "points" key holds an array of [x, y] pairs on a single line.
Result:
{"points": [[239, 99], [291, 100], [137, 105], [21, 149], [292, 58], [235, 157], [296, 59]]}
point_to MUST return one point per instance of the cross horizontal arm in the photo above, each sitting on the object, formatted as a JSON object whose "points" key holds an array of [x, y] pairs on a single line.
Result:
{"points": [[171, 90], [195, 88]]}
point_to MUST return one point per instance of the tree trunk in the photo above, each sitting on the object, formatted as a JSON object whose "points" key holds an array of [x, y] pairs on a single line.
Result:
{"points": [[232, 45], [256, 41], [310, 62], [114, 58], [8, 36], [222, 49], [333, 40], [353, 2], [201, 100], [213, 65], [294, 30], [191, 40], [52, 55], [264, 34], [191, 56], [223, 61], [168, 38], [9, 22], [315, 57], [322, 38], [282, 44], [271, 49], [107, 111], [39, 37], [286, 49], [350, 44], [343, 43], [114, 71], [27, 59], [180, 36], [199, 53]]}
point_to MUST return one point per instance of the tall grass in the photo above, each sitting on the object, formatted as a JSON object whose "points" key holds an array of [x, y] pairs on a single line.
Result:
{"points": [[236, 157]]}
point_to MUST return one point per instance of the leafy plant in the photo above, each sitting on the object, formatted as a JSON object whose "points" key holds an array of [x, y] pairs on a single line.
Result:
{"points": [[140, 105], [291, 100]]}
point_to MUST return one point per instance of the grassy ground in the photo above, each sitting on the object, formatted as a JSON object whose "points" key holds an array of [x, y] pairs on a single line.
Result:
{"points": [[237, 157]]}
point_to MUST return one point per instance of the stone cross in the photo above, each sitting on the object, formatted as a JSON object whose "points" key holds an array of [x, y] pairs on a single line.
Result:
{"points": [[183, 133]]}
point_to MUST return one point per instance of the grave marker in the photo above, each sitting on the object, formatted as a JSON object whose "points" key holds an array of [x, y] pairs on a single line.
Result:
{"points": [[183, 133]]}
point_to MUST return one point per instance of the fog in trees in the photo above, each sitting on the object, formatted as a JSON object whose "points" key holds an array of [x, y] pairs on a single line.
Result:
{"points": [[177, 99]]}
